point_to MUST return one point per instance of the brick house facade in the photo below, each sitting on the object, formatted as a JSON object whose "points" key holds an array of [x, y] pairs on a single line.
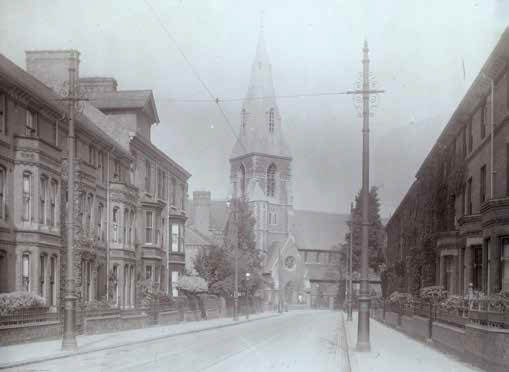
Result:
{"points": [[455, 214], [110, 226]]}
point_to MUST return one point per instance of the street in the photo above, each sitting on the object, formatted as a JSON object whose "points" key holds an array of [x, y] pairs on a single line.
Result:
{"points": [[298, 341]]}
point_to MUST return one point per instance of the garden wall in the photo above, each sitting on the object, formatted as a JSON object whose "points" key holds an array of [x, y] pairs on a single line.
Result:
{"points": [[415, 326], [16, 334], [487, 347], [450, 337]]}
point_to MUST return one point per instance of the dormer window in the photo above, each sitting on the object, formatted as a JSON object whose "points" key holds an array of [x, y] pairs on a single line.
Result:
{"points": [[271, 120]]}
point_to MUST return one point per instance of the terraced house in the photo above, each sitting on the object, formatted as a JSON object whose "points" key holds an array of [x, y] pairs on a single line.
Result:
{"points": [[452, 227], [128, 193], [160, 181]]}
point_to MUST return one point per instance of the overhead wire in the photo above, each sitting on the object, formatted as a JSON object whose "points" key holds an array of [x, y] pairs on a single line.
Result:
{"points": [[194, 71]]}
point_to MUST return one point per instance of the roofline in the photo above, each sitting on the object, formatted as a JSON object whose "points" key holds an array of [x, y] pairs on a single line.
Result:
{"points": [[402, 202], [53, 100], [504, 38], [136, 137], [151, 99]]}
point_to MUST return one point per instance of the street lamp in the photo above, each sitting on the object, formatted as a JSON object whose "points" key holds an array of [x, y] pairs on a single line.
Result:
{"points": [[248, 276], [350, 253], [368, 96]]}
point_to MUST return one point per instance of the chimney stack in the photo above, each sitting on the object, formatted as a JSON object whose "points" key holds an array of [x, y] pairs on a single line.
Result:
{"points": [[98, 84], [52, 67], [201, 206]]}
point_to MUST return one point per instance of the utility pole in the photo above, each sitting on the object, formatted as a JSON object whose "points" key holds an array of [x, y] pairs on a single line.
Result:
{"points": [[236, 280], [363, 343], [350, 253], [69, 336], [279, 295]]}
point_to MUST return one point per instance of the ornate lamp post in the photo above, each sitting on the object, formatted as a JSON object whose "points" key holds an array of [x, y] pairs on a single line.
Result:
{"points": [[350, 253], [363, 343]]}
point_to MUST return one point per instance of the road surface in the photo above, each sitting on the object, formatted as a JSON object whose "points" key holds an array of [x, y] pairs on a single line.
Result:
{"points": [[296, 341]]}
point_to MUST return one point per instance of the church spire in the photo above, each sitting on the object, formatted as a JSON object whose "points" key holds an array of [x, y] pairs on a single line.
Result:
{"points": [[260, 127]]}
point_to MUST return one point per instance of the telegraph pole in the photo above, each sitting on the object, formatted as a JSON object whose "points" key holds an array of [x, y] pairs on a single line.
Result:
{"points": [[236, 280], [69, 337], [350, 252], [363, 343], [280, 293]]}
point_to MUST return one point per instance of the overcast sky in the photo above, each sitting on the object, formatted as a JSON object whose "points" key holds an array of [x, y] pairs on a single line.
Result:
{"points": [[417, 54]]}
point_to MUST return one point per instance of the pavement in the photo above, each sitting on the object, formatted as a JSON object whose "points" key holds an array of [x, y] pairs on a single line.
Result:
{"points": [[394, 351], [294, 341], [39, 351]]}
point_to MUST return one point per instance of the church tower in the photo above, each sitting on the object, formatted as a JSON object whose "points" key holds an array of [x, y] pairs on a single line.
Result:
{"points": [[260, 163]]}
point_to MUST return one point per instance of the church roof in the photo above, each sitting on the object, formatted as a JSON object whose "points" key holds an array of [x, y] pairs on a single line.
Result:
{"points": [[195, 237], [318, 230], [260, 107]]}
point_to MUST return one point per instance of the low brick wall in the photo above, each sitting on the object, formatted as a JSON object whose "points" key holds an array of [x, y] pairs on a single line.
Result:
{"points": [[487, 347], [134, 321], [192, 315], [169, 317], [450, 337], [102, 324], [391, 318], [415, 326], [29, 332]]}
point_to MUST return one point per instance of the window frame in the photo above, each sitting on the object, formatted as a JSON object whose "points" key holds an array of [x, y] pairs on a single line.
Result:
{"points": [[271, 180], [3, 187], [148, 176], [27, 196], [271, 120], [30, 123], [149, 227], [26, 275], [3, 114]]}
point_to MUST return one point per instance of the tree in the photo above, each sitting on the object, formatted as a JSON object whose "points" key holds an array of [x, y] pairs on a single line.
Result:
{"points": [[217, 266], [376, 232]]}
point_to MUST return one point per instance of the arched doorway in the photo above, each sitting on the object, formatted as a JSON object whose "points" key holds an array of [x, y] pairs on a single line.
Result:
{"points": [[290, 292]]}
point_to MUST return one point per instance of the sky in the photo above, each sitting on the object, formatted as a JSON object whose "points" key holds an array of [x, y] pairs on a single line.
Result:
{"points": [[424, 54]]}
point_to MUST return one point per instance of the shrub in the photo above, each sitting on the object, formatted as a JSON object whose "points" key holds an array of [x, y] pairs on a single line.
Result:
{"points": [[192, 284], [434, 293], [452, 302], [10, 302], [400, 297]]}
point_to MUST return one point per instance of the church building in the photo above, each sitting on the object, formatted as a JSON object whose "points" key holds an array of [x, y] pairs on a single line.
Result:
{"points": [[300, 248]]}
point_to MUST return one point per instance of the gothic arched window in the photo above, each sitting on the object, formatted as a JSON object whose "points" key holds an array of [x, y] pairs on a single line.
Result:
{"points": [[271, 120], [242, 180], [243, 118], [271, 180]]}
